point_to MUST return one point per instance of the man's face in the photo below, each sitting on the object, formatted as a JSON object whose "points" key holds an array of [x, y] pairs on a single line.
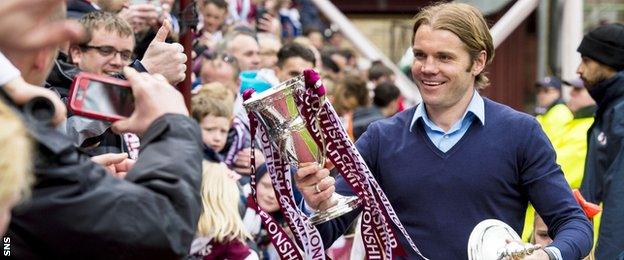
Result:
{"points": [[592, 72], [546, 96], [442, 68], [215, 131], [246, 50], [579, 98], [293, 67], [316, 38], [35, 66], [111, 56], [213, 17], [218, 70], [268, 52]]}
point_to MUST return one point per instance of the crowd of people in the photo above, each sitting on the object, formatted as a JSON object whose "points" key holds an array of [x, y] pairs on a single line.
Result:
{"points": [[169, 183]]}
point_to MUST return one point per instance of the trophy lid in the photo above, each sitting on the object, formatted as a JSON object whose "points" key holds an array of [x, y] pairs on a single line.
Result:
{"points": [[281, 88]]}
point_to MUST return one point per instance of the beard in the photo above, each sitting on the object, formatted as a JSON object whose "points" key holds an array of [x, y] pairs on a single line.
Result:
{"points": [[592, 81]]}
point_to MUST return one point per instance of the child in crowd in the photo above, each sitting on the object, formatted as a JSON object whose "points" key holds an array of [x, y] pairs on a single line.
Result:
{"points": [[210, 30], [220, 230], [267, 201], [213, 13], [212, 108], [350, 93]]}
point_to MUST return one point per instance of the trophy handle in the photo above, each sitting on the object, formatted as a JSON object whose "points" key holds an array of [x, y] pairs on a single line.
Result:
{"points": [[317, 123], [488, 241]]}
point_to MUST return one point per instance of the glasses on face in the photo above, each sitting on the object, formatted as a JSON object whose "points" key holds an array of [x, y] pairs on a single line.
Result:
{"points": [[107, 51], [224, 57], [228, 59]]}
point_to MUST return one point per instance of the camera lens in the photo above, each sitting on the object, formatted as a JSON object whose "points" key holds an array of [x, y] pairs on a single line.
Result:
{"points": [[39, 110]]}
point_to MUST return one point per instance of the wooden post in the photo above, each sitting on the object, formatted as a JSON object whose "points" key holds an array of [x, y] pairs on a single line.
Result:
{"points": [[186, 39]]}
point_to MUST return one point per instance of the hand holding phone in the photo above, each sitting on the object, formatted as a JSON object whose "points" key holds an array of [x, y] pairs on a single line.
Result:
{"points": [[154, 97], [133, 104], [101, 97]]}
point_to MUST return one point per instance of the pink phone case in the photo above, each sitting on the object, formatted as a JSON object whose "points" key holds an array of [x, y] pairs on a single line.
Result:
{"points": [[79, 89]]}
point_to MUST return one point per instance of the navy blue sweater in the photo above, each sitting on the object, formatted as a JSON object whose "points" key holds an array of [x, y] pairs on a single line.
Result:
{"points": [[492, 172]]}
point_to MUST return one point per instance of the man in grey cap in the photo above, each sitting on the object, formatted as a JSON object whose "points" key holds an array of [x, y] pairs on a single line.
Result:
{"points": [[602, 52]]}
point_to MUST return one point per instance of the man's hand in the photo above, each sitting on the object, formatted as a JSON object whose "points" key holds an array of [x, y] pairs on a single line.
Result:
{"points": [[26, 25], [117, 164], [518, 246], [165, 58], [316, 186], [269, 24], [153, 98], [21, 92], [206, 40], [537, 255], [140, 16], [242, 163]]}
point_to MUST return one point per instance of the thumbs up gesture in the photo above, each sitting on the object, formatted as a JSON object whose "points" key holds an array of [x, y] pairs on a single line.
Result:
{"points": [[165, 58]]}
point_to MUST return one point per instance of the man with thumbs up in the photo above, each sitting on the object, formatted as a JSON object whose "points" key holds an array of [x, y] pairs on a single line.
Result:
{"points": [[105, 52], [165, 58]]}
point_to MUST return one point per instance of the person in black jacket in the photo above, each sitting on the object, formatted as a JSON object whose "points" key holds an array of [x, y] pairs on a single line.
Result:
{"points": [[78, 210], [601, 70]]}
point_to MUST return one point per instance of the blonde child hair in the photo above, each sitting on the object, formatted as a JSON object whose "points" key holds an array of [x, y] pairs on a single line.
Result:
{"points": [[220, 218], [213, 99], [15, 156]]}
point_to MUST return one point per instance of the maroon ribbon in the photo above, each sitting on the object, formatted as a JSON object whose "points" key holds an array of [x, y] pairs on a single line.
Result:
{"points": [[237, 145], [284, 245], [279, 171], [377, 232]]}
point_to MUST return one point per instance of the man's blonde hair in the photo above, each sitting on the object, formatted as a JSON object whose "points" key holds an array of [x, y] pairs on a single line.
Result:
{"points": [[467, 23], [15, 156], [213, 99], [220, 219]]}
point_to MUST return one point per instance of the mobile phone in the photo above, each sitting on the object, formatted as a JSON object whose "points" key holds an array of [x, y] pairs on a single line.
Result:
{"points": [[156, 3], [101, 97], [260, 11]]}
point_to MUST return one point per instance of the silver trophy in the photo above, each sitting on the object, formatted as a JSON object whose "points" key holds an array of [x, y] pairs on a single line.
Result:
{"points": [[277, 111], [488, 241]]}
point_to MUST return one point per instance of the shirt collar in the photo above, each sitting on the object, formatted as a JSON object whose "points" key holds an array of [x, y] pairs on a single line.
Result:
{"points": [[476, 107]]}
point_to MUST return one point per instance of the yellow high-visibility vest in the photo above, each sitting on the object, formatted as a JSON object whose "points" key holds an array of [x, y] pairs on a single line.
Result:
{"points": [[569, 138]]}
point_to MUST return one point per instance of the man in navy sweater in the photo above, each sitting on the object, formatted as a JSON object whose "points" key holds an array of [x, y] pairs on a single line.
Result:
{"points": [[458, 158]]}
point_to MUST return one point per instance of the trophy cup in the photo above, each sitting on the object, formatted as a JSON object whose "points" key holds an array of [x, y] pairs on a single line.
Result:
{"points": [[277, 111], [488, 241]]}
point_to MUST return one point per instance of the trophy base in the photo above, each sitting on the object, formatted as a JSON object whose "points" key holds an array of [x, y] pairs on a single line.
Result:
{"points": [[344, 205]]}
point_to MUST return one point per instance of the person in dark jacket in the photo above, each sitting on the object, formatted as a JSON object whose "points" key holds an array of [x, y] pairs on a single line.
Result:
{"points": [[385, 104], [601, 68], [78, 210], [78, 8]]}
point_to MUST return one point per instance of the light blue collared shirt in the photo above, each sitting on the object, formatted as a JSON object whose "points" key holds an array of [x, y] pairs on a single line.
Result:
{"points": [[446, 140]]}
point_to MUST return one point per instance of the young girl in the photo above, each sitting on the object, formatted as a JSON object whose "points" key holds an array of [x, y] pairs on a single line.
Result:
{"points": [[220, 230]]}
